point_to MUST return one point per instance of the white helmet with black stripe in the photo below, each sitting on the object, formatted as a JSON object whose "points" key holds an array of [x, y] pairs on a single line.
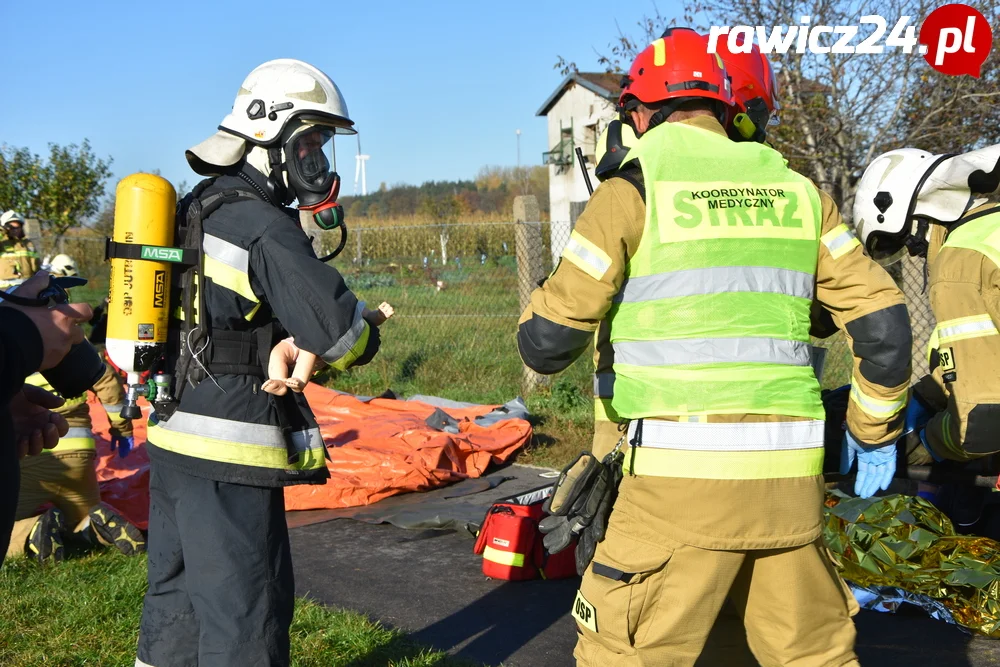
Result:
{"points": [[904, 190]]}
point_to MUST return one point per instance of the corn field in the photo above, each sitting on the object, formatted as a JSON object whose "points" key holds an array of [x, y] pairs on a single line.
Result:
{"points": [[458, 284]]}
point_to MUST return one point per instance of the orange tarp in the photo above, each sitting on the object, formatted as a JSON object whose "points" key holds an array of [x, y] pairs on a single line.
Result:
{"points": [[377, 449]]}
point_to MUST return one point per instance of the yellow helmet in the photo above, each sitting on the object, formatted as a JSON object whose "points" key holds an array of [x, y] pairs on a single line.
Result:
{"points": [[615, 142]]}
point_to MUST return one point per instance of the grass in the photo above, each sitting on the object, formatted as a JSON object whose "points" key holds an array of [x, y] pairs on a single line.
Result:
{"points": [[85, 612], [459, 342]]}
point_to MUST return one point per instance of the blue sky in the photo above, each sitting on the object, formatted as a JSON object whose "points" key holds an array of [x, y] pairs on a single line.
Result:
{"points": [[437, 89]]}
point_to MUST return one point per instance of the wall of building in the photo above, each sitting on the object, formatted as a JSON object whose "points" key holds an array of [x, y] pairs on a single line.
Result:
{"points": [[588, 114]]}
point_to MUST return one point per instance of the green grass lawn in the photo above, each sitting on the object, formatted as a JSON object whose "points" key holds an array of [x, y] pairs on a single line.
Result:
{"points": [[85, 612], [459, 342]]}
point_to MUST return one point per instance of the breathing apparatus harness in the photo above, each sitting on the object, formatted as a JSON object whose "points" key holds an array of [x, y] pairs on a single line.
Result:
{"points": [[194, 351]]}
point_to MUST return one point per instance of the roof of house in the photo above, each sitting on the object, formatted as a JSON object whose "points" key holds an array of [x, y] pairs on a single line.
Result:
{"points": [[604, 84]]}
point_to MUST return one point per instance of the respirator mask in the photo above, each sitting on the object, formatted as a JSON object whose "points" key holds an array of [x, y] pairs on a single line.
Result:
{"points": [[311, 167]]}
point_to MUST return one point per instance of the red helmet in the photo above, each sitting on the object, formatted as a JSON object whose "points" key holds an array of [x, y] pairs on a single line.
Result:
{"points": [[755, 92], [676, 66]]}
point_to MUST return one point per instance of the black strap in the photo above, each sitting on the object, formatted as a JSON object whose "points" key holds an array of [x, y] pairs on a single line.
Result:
{"points": [[117, 250], [632, 173], [612, 573], [234, 353], [211, 204]]}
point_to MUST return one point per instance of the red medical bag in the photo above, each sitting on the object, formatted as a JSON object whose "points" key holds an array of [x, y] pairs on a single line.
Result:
{"points": [[511, 544]]}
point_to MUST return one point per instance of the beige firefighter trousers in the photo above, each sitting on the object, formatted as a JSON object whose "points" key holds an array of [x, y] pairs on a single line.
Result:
{"points": [[66, 479], [648, 601]]}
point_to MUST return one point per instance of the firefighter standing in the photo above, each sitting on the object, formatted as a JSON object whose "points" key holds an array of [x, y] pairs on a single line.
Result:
{"points": [[18, 259], [708, 286], [220, 576], [935, 206], [755, 92]]}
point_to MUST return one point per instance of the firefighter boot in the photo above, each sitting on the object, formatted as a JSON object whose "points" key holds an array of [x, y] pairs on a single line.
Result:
{"points": [[111, 529], [45, 541]]}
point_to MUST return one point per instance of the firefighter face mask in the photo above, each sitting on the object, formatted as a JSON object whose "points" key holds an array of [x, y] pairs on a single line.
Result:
{"points": [[312, 175]]}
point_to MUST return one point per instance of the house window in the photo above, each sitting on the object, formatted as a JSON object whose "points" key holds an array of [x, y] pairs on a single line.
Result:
{"points": [[561, 154], [590, 137]]}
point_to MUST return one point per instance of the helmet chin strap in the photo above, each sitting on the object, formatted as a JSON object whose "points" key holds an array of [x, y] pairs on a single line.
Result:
{"points": [[664, 112], [264, 161], [276, 180], [917, 242]]}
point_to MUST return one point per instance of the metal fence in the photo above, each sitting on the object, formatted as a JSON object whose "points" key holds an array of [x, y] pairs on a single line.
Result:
{"points": [[465, 284]]}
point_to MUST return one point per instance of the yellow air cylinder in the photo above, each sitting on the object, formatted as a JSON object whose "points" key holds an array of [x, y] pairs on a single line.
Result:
{"points": [[139, 302]]}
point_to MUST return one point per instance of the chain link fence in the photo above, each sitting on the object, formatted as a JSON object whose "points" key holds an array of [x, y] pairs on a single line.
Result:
{"points": [[461, 286], [909, 275]]}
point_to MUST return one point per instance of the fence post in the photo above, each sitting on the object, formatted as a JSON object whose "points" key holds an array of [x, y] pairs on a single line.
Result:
{"points": [[530, 268], [33, 232], [444, 245], [357, 247]]}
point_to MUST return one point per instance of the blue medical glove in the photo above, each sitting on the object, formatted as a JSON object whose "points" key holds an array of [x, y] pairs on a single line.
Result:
{"points": [[123, 443], [876, 466], [917, 415]]}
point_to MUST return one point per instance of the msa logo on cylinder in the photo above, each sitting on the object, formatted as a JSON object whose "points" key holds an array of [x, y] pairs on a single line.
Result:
{"points": [[161, 254], [159, 289]]}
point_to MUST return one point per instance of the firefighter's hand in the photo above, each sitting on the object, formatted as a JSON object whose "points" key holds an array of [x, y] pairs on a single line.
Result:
{"points": [[36, 427], [59, 326], [876, 466]]}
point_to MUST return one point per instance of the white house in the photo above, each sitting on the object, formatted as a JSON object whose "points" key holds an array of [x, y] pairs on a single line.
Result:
{"points": [[578, 111]]}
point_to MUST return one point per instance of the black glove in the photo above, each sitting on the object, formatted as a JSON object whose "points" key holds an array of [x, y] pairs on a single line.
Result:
{"points": [[580, 505]]}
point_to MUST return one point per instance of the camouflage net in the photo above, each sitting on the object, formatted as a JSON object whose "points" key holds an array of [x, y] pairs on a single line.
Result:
{"points": [[905, 543]]}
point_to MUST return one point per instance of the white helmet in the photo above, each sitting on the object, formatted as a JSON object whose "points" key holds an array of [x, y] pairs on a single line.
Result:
{"points": [[907, 184], [884, 201], [63, 265], [11, 216], [292, 154]]}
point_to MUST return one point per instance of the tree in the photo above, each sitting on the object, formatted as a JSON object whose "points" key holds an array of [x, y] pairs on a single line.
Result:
{"points": [[840, 111], [62, 191], [19, 176]]}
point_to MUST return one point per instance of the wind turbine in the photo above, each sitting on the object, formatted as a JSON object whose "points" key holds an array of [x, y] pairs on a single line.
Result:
{"points": [[360, 171]]}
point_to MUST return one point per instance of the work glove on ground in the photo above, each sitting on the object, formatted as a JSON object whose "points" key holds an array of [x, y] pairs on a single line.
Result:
{"points": [[876, 465], [123, 443]]}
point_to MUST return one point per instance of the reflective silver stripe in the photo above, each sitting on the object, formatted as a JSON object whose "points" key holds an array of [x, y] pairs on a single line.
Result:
{"points": [[604, 385], [742, 437], [875, 407], [840, 240], [984, 325], [79, 432], [229, 254], [140, 663], [717, 280], [712, 351], [112, 409], [230, 430], [349, 339], [599, 265]]}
